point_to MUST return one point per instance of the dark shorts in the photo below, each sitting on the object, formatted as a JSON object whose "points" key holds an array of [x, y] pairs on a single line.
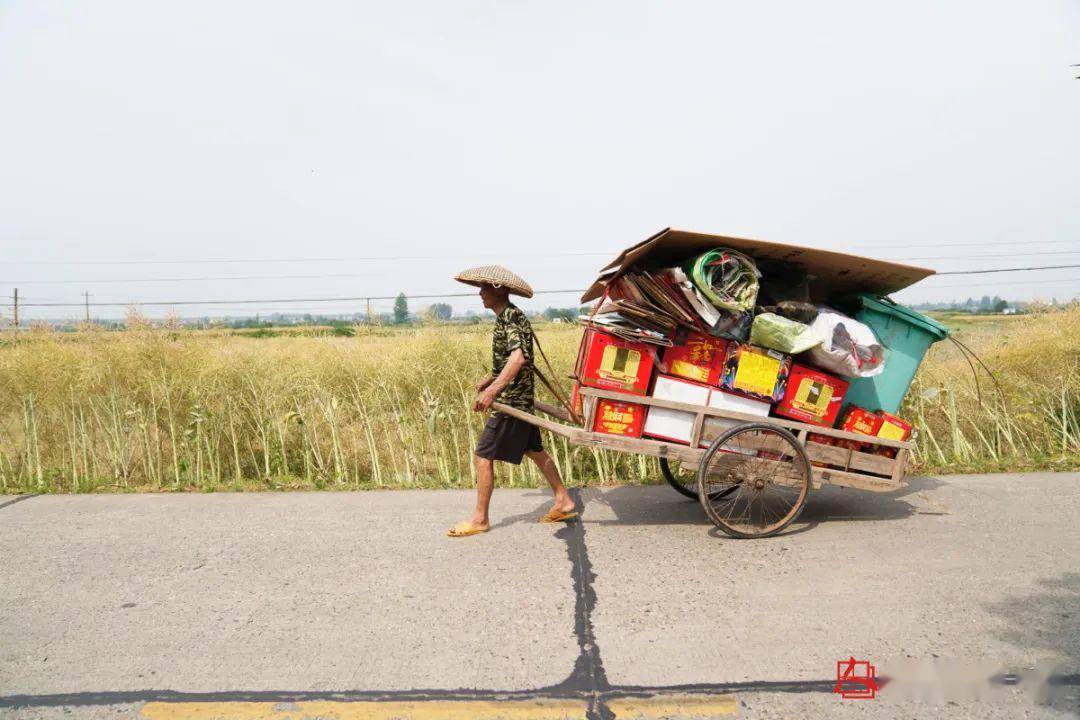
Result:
{"points": [[507, 439]]}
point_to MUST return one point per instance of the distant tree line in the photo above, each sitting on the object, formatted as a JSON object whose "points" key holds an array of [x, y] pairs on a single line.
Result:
{"points": [[985, 305]]}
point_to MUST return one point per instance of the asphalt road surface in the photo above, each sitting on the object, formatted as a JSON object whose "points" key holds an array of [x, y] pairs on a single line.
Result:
{"points": [[963, 592]]}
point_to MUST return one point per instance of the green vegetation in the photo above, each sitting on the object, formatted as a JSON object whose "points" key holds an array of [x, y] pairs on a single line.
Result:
{"points": [[401, 309]]}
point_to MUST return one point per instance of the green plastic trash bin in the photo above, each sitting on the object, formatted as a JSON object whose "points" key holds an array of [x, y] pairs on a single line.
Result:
{"points": [[906, 336]]}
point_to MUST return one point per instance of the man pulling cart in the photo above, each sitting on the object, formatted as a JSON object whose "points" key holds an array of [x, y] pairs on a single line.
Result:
{"points": [[791, 394], [506, 438]]}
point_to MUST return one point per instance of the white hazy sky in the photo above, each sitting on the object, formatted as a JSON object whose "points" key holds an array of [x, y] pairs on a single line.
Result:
{"points": [[470, 133]]}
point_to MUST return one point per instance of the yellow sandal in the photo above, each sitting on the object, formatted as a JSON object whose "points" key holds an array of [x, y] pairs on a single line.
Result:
{"points": [[465, 529], [556, 515]]}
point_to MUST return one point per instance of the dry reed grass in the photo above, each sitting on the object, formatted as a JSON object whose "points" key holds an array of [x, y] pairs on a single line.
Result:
{"points": [[153, 408], [1031, 422]]}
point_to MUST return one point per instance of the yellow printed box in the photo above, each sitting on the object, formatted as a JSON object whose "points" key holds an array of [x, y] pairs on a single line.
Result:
{"points": [[755, 372]]}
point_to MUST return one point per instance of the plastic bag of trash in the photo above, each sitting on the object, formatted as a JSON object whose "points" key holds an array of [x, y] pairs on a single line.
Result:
{"points": [[779, 333], [849, 347], [727, 278]]}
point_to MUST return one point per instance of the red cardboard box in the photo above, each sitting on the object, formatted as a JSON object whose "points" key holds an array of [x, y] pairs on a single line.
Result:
{"points": [[857, 420], [619, 418], [700, 359], [892, 428], [811, 396], [611, 363], [755, 372], [577, 400]]}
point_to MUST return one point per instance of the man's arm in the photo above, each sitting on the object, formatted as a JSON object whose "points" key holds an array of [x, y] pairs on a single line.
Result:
{"points": [[513, 366], [484, 382]]}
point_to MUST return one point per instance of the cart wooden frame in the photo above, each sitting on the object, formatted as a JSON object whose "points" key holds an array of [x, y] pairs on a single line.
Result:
{"points": [[801, 461], [828, 464]]}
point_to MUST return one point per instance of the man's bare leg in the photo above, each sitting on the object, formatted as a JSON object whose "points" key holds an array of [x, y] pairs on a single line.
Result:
{"points": [[485, 485], [563, 501]]}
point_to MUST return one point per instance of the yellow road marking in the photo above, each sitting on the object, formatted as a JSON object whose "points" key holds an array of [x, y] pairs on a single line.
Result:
{"points": [[368, 710], [681, 706], [653, 708]]}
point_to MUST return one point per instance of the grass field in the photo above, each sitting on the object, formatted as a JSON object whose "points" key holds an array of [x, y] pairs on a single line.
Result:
{"points": [[153, 408]]}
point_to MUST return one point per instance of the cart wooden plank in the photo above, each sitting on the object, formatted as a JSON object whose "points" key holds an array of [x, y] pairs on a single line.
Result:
{"points": [[900, 466], [828, 454], [553, 411], [857, 480], [590, 404], [851, 459], [641, 446], [565, 431], [889, 471]]}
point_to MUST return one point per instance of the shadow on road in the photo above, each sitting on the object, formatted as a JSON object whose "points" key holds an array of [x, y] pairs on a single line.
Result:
{"points": [[660, 505], [1046, 625]]}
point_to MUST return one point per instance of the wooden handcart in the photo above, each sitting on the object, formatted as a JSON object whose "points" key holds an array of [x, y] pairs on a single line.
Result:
{"points": [[752, 475]]}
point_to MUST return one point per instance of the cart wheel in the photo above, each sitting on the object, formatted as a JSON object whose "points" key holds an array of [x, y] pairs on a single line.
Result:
{"points": [[682, 478], [754, 480]]}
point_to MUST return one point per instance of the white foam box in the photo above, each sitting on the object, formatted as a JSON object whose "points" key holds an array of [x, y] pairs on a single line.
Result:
{"points": [[714, 426], [674, 425]]}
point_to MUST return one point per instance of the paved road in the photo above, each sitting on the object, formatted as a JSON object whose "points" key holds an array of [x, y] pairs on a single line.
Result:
{"points": [[354, 605]]}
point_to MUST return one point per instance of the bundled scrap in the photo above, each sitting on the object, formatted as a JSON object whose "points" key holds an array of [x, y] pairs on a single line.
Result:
{"points": [[714, 293], [693, 332]]}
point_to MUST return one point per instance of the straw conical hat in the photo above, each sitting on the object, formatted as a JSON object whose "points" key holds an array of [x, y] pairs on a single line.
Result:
{"points": [[495, 275]]}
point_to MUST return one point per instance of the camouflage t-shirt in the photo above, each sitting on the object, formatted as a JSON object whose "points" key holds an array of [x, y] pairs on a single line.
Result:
{"points": [[513, 331]]}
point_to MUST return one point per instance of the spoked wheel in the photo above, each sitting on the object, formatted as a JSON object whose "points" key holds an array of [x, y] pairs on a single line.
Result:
{"points": [[754, 480], [683, 477]]}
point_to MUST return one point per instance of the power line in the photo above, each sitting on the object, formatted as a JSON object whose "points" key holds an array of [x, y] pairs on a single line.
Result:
{"points": [[998, 270], [424, 296], [230, 278], [980, 257], [460, 255], [984, 244], [282, 300], [252, 261], [1008, 284], [191, 279], [188, 279]]}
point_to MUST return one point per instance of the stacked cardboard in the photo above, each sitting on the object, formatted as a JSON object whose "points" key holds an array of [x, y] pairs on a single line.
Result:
{"points": [[669, 324]]}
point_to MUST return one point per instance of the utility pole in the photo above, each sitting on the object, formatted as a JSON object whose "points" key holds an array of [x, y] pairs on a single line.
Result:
{"points": [[86, 299], [15, 326], [369, 312]]}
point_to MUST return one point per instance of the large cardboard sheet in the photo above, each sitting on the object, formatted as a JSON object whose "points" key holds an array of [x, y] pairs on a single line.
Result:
{"points": [[831, 273]]}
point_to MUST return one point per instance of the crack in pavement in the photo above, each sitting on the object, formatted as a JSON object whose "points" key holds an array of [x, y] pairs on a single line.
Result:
{"points": [[17, 499], [587, 680], [588, 676]]}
